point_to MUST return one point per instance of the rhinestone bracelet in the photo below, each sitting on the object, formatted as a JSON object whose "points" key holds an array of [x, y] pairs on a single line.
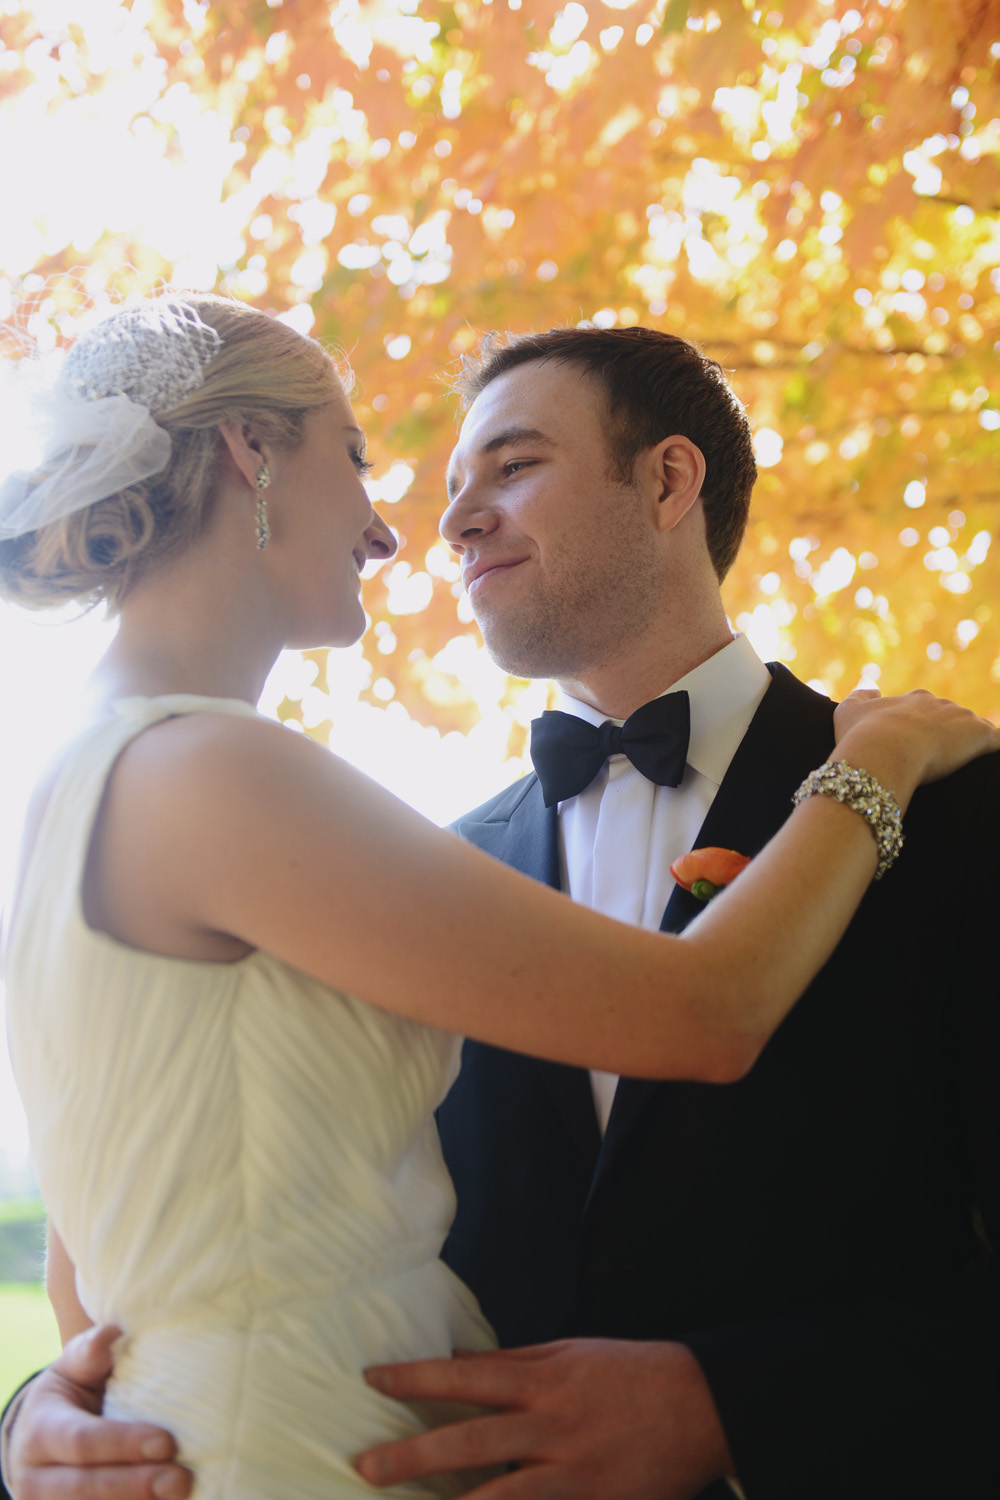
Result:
{"points": [[861, 792]]}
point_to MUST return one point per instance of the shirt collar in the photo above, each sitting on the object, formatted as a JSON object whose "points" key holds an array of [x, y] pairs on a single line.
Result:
{"points": [[725, 692]]}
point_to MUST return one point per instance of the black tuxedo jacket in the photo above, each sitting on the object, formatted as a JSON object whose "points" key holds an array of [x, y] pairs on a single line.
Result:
{"points": [[819, 1233]]}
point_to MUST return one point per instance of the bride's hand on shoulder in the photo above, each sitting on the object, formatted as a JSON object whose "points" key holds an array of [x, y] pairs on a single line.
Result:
{"points": [[920, 737]]}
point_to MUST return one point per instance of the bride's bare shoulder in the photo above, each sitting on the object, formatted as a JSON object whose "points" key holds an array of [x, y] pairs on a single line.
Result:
{"points": [[184, 806], [214, 775], [209, 743]]}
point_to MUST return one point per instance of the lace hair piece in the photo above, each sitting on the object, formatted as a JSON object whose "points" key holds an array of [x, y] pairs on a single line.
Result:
{"points": [[154, 352], [76, 431]]}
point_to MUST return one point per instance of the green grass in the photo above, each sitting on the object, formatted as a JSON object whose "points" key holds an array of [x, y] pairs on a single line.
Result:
{"points": [[16, 1209], [28, 1337], [22, 1241]]}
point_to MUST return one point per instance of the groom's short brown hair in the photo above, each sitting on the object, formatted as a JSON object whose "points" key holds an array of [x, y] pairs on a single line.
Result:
{"points": [[654, 384]]}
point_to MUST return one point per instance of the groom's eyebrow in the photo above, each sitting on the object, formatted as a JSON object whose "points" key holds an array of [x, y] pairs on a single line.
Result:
{"points": [[514, 435], [506, 439]]}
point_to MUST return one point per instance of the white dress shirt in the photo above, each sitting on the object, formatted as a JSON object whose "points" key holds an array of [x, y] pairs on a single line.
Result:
{"points": [[619, 837]]}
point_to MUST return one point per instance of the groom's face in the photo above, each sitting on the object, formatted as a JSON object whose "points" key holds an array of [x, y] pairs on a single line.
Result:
{"points": [[556, 554]]}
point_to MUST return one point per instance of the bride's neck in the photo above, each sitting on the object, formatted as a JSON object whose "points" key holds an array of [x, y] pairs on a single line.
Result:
{"points": [[178, 635]]}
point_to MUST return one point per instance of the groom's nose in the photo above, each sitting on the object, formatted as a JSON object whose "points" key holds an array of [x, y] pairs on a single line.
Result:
{"points": [[466, 518]]}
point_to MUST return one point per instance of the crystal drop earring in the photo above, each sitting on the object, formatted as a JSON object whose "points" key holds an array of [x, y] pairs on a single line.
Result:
{"points": [[263, 479]]}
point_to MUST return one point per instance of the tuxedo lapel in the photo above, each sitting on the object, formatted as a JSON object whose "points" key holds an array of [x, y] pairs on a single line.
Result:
{"points": [[790, 734], [519, 829]]}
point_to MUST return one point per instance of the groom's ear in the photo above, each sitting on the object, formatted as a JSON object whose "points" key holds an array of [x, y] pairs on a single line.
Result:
{"points": [[679, 467], [670, 475]]}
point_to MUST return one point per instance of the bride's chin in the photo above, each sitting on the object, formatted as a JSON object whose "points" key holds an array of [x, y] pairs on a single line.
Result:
{"points": [[334, 637]]}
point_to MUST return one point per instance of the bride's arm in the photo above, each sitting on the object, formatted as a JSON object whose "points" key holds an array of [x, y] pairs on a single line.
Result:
{"points": [[227, 826], [60, 1284]]}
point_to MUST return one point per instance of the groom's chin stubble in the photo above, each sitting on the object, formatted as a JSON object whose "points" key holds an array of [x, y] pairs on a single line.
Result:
{"points": [[559, 643], [527, 649]]}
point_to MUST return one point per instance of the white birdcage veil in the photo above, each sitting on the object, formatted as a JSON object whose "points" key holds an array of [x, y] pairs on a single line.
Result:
{"points": [[78, 429]]}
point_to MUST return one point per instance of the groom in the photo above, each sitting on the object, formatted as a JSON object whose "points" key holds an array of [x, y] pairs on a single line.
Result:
{"points": [[788, 1281]]}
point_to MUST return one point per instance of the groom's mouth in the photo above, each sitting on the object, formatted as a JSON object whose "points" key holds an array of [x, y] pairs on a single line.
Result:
{"points": [[478, 575]]}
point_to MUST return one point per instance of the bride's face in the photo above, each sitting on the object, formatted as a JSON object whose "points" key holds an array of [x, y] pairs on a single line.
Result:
{"points": [[324, 529]]}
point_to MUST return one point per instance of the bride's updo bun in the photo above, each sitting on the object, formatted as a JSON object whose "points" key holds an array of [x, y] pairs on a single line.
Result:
{"points": [[256, 368]]}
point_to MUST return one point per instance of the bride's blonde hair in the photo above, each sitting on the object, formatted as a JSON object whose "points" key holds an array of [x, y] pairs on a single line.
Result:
{"points": [[264, 372]]}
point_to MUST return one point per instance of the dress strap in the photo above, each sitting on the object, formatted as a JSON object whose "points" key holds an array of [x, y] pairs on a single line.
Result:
{"points": [[143, 711]]}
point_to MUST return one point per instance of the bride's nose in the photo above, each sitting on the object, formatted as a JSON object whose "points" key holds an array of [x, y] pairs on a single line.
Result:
{"points": [[379, 539]]}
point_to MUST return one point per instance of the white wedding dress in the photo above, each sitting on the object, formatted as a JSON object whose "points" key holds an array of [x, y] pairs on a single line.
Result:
{"points": [[244, 1167]]}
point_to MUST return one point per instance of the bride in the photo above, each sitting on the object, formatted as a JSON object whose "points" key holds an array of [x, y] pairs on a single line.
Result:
{"points": [[237, 969]]}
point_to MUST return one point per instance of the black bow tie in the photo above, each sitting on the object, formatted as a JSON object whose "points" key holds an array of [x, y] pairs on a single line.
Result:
{"points": [[568, 752]]}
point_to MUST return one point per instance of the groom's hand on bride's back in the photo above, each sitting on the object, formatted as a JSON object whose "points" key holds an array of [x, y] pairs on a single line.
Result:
{"points": [[59, 1447], [586, 1418]]}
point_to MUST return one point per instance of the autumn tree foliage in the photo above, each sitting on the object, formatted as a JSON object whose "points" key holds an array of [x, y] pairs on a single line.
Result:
{"points": [[809, 191]]}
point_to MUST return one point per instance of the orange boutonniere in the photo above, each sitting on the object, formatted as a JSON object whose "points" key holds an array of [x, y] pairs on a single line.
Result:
{"points": [[703, 871]]}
